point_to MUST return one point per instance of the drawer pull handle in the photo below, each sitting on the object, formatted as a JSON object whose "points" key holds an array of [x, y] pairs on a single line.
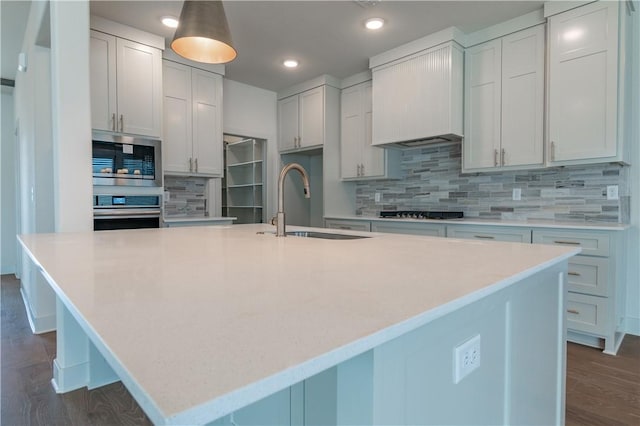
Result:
{"points": [[484, 237], [573, 311], [573, 243], [344, 227], [575, 274]]}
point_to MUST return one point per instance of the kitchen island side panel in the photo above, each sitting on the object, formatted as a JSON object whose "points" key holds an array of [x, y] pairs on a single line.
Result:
{"points": [[521, 375]]}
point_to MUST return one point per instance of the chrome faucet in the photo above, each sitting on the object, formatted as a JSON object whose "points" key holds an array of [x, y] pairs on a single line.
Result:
{"points": [[278, 220]]}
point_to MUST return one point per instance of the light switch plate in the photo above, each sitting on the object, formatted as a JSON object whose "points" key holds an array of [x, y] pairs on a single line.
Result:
{"points": [[378, 197], [612, 192]]}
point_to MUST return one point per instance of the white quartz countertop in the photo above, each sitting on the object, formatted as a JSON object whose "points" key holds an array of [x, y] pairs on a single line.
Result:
{"points": [[206, 320], [602, 226]]}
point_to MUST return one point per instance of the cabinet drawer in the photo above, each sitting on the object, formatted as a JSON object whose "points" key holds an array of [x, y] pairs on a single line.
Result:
{"points": [[587, 313], [352, 225], [489, 234], [589, 275], [592, 243], [428, 229]]}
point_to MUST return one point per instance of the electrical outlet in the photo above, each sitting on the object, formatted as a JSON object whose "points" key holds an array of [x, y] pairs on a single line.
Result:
{"points": [[612, 192], [466, 358], [517, 194], [378, 197]]}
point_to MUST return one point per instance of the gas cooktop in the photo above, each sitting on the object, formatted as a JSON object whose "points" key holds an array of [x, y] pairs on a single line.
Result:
{"points": [[418, 214]]}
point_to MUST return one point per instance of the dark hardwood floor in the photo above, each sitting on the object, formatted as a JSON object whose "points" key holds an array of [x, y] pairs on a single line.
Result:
{"points": [[601, 389]]}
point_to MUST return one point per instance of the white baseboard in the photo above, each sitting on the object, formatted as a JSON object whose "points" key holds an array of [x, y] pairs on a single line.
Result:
{"points": [[38, 325]]}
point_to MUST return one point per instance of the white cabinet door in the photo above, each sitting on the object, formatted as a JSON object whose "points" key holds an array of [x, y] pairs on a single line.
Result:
{"points": [[139, 88], [583, 55], [311, 117], [504, 93], [483, 105], [207, 122], [103, 81], [374, 159], [288, 123], [523, 98], [176, 144], [352, 132]]}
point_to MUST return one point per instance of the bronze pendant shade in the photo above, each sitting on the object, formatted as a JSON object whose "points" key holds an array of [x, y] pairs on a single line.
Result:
{"points": [[203, 33]]}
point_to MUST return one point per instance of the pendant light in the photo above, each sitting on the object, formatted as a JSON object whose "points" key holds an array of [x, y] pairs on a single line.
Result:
{"points": [[203, 33]]}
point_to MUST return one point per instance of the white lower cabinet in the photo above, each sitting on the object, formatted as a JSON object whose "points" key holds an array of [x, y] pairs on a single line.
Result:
{"points": [[346, 224], [490, 233], [595, 302], [420, 228]]}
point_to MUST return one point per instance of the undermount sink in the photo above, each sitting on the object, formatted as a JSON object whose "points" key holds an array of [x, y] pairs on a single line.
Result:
{"points": [[322, 235]]}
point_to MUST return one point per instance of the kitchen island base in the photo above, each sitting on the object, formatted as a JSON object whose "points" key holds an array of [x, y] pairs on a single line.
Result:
{"points": [[408, 380]]}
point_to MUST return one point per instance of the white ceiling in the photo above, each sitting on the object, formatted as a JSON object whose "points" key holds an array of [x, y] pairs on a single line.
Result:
{"points": [[327, 37]]}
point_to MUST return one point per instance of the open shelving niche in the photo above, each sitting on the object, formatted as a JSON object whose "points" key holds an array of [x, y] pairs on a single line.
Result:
{"points": [[243, 183]]}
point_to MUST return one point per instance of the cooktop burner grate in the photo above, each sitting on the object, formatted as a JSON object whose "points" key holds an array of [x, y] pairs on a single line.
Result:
{"points": [[418, 214]]}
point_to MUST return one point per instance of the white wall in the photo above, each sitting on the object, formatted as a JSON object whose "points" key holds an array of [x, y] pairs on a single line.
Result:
{"points": [[8, 182], [73, 185], [251, 111], [633, 244]]}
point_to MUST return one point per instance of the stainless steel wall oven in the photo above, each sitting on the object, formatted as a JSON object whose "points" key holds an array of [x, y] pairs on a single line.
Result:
{"points": [[126, 212], [126, 160]]}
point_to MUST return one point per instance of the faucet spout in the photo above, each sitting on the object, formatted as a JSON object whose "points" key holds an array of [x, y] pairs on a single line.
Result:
{"points": [[279, 220]]}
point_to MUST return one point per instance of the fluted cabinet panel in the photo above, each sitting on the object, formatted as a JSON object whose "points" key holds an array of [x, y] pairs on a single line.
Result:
{"points": [[418, 97]]}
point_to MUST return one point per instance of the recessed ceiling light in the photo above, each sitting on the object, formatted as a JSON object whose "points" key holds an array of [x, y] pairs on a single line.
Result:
{"points": [[290, 63], [374, 23], [170, 21]]}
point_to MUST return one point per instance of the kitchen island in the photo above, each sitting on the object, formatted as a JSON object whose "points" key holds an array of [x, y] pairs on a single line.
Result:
{"points": [[232, 325]]}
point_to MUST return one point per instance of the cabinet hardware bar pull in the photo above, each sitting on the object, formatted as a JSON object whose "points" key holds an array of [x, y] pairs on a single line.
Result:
{"points": [[190, 164], [575, 274], [553, 151], [573, 243], [502, 155], [486, 237], [113, 121], [121, 123], [196, 165], [362, 170], [573, 311], [495, 158], [344, 227]]}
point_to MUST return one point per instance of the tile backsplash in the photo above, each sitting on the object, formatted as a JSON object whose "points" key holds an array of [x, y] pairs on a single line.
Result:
{"points": [[432, 179], [187, 196]]}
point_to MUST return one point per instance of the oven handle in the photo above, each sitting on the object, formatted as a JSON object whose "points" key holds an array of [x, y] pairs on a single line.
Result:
{"points": [[125, 213]]}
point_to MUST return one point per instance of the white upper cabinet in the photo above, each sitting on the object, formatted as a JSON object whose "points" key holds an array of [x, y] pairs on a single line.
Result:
{"points": [[126, 86], [301, 120], [360, 160], [419, 97], [583, 84], [192, 121], [504, 102]]}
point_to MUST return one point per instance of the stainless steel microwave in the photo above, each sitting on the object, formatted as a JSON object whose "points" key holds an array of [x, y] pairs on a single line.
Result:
{"points": [[126, 160]]}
